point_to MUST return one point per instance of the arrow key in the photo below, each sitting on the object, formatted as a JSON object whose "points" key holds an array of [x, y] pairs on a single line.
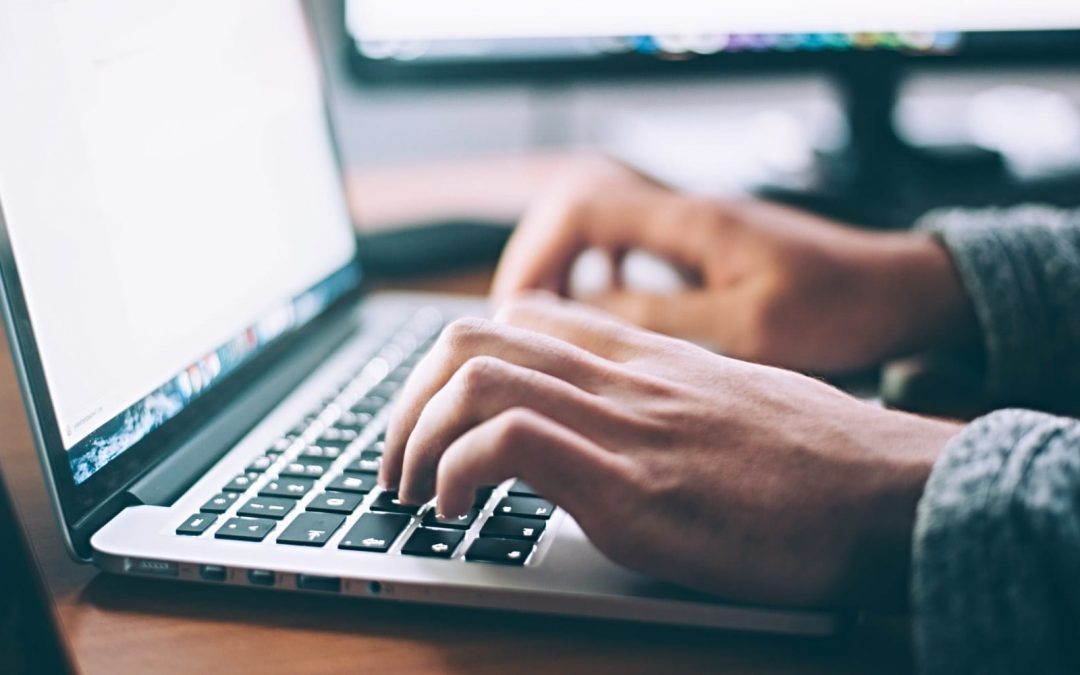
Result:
{"points": [[511, 527], [500, 551], [433, 543]]}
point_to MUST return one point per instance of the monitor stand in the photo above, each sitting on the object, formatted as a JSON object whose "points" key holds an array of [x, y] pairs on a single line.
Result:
{"points": [[879, 179]]}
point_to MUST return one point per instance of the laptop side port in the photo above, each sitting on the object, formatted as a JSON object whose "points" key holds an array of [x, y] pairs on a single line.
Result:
{"points": [[160, 568], [212, 572], [310, 582], [261, 577]]}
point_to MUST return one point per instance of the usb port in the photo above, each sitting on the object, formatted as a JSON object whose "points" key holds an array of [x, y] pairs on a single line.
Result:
{"points": [[161, 568], [261, 577], [309, 582], [212, 572]]}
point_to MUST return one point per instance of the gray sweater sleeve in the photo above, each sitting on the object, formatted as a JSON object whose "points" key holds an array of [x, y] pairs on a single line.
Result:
{"points": [[996, 550], [1021, 268], [996, 554]]}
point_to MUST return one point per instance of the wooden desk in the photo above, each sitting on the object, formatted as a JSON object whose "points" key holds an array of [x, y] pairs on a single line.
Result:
{"points": [[130, 625]]}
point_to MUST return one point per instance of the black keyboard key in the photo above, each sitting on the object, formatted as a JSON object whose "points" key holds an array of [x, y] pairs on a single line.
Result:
{"points": [[337, 437], [335, 502], [388, 502], [303, 425], [246, 529], [311, 529], [483, 495], [293, 488], [330, 452], [527, 507], [433, 543], [241, 483], [361, 483], [369, 405], [305, 468], [367, 462], [219, 503], [402, 372], [377, 447], [375, 532], [351, 421], [260, 464], [510, 527], [520, 488], [432, 519], [500, 551], [385, 389], [267, 507], [196, 524], [282, 444]]}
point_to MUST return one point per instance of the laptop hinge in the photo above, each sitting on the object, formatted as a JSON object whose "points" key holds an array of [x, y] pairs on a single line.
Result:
{"points": [[171, 477]]}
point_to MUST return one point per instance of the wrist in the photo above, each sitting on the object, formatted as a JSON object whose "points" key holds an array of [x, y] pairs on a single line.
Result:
{"points": [[905, 448], [926, 302]]}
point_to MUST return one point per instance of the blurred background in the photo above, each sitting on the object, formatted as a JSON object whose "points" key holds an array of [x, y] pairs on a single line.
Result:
{"points": [[449, 125]]}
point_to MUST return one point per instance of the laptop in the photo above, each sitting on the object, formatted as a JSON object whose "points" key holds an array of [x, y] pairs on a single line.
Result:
{"points": [[207, 380]]}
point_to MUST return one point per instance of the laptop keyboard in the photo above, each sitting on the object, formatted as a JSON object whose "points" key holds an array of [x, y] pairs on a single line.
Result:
{"points": [[319, 479]]}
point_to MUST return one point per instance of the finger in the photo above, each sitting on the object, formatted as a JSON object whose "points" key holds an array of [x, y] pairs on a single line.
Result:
{"points": [[482, 389], [556, 230], [469, 338], [692, 315], [594, 331], [616, 258], [564, 466]]}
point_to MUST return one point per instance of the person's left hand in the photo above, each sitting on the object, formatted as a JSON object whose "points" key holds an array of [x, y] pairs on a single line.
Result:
{"points": [[742, 480]]}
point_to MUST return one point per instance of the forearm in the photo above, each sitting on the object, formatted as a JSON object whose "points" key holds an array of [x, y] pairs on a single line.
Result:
{"points": [[996, 551], [1021, 270]]}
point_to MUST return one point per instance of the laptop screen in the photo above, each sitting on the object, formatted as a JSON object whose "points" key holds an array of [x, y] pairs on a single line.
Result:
{"points": [[172, 200]]}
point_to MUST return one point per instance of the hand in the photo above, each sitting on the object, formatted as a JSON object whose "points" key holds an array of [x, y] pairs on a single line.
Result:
{"points": [[737, 479], [771, 284]]}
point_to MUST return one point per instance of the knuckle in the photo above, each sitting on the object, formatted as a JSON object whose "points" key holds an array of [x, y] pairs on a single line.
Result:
{"points": [[513, 430], [578, 204], [480, 374], [652, 387], [461, 334], [595, 169]]}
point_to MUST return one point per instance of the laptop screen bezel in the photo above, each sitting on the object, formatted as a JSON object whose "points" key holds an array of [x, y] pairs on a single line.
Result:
{"points": [[76, 502]]}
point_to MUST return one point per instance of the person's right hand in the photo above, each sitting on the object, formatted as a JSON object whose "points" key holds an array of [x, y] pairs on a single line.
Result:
{"points": [[749, 482], [771, 284]]}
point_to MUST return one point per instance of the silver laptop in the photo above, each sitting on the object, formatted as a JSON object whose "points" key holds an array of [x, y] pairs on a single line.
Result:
{"points": [[207, 385]]}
